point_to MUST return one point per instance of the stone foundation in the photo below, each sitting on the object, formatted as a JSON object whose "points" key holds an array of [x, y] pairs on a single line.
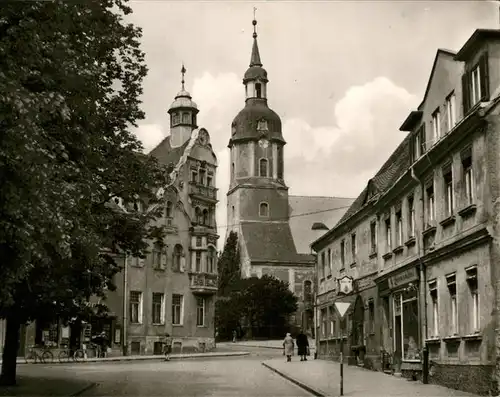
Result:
{"points": [[477, 379]]}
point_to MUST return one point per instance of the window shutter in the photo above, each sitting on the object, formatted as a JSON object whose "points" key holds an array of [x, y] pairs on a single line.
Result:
{"points": [[465, 92], [485, 86]]}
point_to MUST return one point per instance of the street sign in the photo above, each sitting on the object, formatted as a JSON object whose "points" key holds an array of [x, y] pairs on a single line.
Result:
{"points": [[342, 308]]}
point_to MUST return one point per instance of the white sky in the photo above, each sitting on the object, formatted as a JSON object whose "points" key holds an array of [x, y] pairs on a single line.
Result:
{"points": [[343, 76]]}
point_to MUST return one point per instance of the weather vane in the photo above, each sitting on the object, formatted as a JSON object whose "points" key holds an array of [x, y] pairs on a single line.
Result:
{"points": [[183, 71], [254, 22]]}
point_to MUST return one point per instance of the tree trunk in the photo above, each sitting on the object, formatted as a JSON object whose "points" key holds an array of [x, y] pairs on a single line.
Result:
{"points": [[11, 346]]}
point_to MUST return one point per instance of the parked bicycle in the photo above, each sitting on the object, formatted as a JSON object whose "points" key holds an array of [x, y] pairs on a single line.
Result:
{"points": [[66, 355], [42, 355]]}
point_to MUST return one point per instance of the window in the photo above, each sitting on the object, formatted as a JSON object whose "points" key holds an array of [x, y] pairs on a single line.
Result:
{"points": [[435, 308], [448, 185], [422, 140], [451, 110], [280, 162], [177, 309], [406, 323], [202, 177], [264, 209], [474, 297], [168, 210], [430, 210], [324, 322], [342, 254], [323, 263], [263, 167], [388, 234], [198, 241], [399, 229], [329, 263], [476, 85], [178, 253], [371, 316], [194, 176], [468, 177], [418, 143], [198, 215], [258, 90], [411, 217], [206, 219], [158, 257], [452, 289], [354, 248], [176, 118], [436, 125], [135, 305], [200, 312], [209, 181], [308, 291], [332, 320], [158, 308], [373, 236], [198, 261], [211, 256], [185, 118]]}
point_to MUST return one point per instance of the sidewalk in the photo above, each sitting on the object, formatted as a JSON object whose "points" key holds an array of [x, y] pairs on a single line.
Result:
{"points": [[322, 378], [149, 357]]}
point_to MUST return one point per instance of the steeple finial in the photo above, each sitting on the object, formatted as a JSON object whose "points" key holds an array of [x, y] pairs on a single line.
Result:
{"points": [[183, 71], [255, 58]]}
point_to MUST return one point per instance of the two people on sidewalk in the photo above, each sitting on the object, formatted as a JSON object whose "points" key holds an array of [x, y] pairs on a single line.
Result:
{"points": [[302, 346]]}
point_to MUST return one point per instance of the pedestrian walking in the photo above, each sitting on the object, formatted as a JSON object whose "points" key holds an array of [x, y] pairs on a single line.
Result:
{"points": [[168, 347], [302, 345], [288, 346], [235, 334]]}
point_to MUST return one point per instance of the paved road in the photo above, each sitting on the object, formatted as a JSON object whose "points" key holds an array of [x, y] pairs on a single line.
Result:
{"points": [[238, 376]]}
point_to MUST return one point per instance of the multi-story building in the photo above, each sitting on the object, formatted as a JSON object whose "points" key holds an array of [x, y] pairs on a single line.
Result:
{"points": [[421, 242], [258, 205], [173, 289]]}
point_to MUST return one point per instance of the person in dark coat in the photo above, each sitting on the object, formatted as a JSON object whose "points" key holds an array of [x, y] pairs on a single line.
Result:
{"points": [[302, 345]]}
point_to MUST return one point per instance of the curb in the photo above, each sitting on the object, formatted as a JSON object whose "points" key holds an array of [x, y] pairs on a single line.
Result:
{"points": [[162, 357], [308, 388], [80, 392]]}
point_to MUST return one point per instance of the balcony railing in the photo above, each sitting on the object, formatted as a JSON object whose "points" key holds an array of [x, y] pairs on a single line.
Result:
{"points": [[202, 191], [203, 283]]}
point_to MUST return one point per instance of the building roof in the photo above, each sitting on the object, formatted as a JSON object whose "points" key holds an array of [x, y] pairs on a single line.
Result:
{"points": [[305, 211], [271, 242], [477, 37], [393, 168], [165, 154]]}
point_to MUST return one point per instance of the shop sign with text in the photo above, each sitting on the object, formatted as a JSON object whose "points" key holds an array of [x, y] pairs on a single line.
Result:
{"points": [[404, 277]]}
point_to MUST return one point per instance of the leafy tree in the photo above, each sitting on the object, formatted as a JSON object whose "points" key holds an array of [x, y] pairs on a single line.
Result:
{"points": [[228, 265], [70, 81]]}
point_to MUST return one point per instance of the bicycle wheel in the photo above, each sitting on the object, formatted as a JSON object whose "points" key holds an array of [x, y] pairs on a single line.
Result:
{"points": [[78, 355], [47, 357], [63, 356], [29, 358]]}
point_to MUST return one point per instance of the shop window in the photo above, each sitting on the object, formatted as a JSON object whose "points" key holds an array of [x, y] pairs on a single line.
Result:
{"points": [[406, 329], [433, 291], [453, 314], [474, 298]]}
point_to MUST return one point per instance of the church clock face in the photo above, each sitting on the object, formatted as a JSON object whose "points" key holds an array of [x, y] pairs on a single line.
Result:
{"points": [[263, 143]]}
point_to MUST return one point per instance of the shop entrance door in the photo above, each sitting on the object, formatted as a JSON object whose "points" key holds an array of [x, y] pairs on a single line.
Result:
{"points": [[398, 354]]}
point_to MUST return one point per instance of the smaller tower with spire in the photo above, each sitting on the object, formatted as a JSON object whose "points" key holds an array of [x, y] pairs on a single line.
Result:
{"points": [[182, 113]]}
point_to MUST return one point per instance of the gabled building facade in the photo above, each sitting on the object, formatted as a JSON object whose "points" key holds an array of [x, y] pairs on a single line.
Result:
{"points": [[429, 223]]}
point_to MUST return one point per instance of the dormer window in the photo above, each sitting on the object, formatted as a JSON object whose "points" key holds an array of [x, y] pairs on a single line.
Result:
{"points": [[258, 90], [185, 118], [262, 125], [175, 118], [475, 83]]}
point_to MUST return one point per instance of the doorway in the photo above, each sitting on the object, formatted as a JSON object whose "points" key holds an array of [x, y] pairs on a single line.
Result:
{"points": [[398, 354]]}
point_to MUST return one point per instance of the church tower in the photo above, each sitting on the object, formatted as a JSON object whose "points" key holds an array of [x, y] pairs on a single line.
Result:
{"points": [[257, 191], [182, 113]]}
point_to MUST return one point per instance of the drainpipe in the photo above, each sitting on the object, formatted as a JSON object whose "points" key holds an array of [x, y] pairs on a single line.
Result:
{"points": [[423, 283], [124, 313]]}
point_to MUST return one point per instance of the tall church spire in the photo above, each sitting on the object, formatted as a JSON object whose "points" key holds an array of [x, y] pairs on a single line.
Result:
{"points": [[255, 58]]}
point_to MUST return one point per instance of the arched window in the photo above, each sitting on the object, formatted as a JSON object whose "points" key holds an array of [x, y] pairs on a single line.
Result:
{"points": [[178, 253], [206, 220], [264, 209], [307, 290], [263, 167], [168, 209], [211, 259], [198, 215], [258, 90]]}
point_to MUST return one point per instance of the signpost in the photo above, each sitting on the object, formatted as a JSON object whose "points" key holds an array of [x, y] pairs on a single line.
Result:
{"points": [[342, 308]]}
